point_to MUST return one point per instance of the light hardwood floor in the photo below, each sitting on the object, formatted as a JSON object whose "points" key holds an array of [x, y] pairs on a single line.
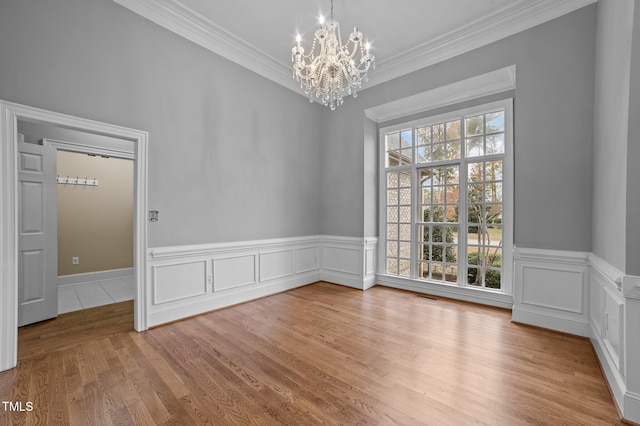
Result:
{"points": [[320, 354]]}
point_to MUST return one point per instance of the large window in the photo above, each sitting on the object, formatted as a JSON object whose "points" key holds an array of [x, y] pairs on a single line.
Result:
{"points": [[446, 198]]}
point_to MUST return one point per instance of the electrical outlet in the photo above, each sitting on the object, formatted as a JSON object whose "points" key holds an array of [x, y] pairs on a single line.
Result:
{"points": [[75, 260]]}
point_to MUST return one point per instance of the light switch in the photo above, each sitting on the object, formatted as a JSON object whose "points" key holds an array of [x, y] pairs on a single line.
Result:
{"points": [[153, 215]]}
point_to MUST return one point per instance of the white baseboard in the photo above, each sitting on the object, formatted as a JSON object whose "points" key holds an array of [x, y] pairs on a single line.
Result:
{"points": [[66, 280]]}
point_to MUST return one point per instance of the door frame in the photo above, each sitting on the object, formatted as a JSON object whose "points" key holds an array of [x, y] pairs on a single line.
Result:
{"points": [[10, 113]]}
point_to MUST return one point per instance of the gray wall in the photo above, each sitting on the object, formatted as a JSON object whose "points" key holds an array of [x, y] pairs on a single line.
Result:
{"points": [[633, 154], [236, 157], [232, 156], [613, 47], [553, 133]]}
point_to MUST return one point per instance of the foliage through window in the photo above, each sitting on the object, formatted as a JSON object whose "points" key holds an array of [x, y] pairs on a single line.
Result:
{"points": [[444, 205]]}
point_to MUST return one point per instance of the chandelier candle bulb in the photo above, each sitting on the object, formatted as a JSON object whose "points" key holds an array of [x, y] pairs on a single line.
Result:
{"points": [[332, 71]]}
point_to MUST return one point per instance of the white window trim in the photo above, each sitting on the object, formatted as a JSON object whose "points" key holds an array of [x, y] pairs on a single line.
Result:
{"points": [[508, 195]]}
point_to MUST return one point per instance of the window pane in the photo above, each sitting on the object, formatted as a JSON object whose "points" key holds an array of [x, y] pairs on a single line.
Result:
{"points": [[453, 130], [405, 250], [494, 170], [474, 213], [405, 268], [475, 194], [406, 139], [424, 154], [475, 147], [438, 153], [405, 232], [495, 144], [393, 141], [392, 196], [453, 150], [495, 122], [438, 133], [424, 135], [405, 214], [425, 214], [475, 172], [493, 192], [405, 179], [423, 270], [451, 273], [437, 213], [452, 214], [392, 232], [392, 266], [474, 125], [392, 180], [392, 249], [392, 214], [425, 196], [405, 196], [406, 156]]}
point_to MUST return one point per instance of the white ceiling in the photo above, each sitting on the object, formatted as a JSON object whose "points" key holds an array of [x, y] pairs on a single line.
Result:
{"points": [[405, 35]]}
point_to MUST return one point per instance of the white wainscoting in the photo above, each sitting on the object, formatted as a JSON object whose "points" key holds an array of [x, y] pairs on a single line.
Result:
{"points": [[551, 290], [615, 320], [349, 261], [189, 280]]}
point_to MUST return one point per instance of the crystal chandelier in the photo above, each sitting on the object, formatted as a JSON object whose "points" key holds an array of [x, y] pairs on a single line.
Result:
{"points": [[334, 72]]}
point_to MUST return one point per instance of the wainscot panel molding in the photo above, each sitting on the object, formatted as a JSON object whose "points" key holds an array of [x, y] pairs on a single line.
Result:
{"points": [[349, 261], [551, 289], [189, 280], [614, 313], [66, 280]]}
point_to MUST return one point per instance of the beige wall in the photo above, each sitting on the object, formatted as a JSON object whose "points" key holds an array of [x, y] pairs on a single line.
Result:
{"points": [[95, 223]]}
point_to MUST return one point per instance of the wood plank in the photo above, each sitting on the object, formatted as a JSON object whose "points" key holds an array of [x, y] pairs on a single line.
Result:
{"points": [[319, 354]]}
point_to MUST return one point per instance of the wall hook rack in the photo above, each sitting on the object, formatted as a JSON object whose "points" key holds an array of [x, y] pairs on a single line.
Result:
{"points": [[77, 181]]}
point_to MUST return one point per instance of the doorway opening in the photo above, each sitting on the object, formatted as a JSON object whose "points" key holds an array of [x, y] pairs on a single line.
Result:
{"points": [[10, 114]]}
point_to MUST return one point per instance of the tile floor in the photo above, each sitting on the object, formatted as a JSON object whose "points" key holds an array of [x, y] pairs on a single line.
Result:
{"points": [[96, 293]]}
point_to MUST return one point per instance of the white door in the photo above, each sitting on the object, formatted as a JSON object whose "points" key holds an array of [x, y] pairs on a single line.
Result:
{"points": [[37, 234]]}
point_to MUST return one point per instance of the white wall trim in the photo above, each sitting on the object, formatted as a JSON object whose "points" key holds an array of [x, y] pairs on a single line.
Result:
{"points": [[551, 289], [97, 150], [10, 113], [349, 261], [174, 252], [467, 294], [213, 276], [67, 280], [518, 16], [490, 83]]}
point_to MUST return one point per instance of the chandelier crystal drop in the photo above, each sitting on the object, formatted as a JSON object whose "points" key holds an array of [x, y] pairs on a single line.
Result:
{"points": [[337, 70]]}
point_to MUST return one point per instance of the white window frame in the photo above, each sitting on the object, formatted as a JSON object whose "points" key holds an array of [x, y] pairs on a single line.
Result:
{"points": [[508, 194]]}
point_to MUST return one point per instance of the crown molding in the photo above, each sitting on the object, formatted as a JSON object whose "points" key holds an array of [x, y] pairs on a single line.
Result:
{"points": [[516, 17], [519, 16]]}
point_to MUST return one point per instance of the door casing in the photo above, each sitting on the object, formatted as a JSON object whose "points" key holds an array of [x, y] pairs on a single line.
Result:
{"points": [[10, 113]]}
